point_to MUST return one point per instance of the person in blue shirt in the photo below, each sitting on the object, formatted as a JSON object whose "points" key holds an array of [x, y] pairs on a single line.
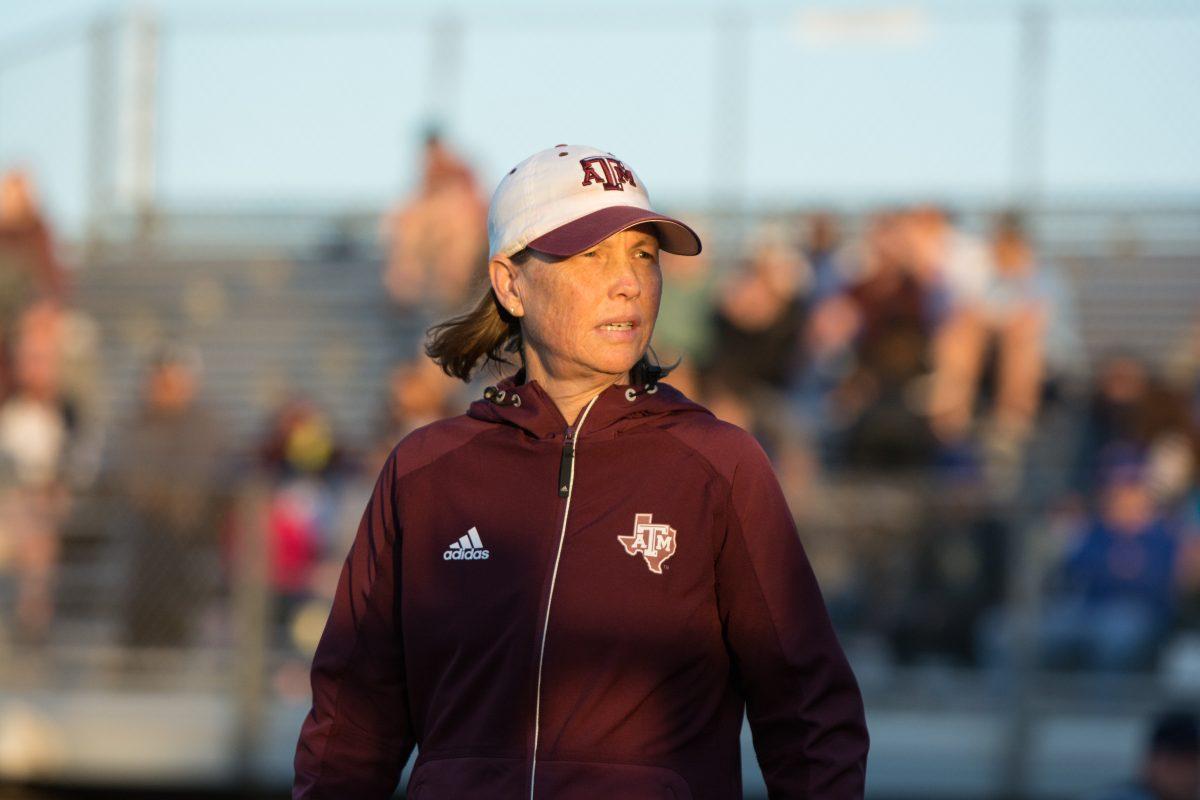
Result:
{"points": [[1114, 602]]}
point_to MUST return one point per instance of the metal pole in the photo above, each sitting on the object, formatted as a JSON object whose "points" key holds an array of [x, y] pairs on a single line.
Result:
{"points": [[251, 607], [145, 112], [1022, 594], [100, 155], [731, 85], [1023, 590], [1029, 112], [445, 69]]}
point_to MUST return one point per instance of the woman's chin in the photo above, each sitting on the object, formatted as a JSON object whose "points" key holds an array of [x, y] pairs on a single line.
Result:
{"points": [[615, 364]]}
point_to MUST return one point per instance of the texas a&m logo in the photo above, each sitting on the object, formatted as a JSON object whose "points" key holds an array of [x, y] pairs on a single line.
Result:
{"points": [[655, 541], [607, 171]]}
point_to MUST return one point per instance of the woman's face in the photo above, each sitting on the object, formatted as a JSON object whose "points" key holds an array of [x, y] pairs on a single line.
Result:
{"points": [[593, 312]]}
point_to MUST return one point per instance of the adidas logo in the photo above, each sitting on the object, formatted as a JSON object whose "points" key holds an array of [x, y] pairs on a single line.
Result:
{"points": [[468, 548]]}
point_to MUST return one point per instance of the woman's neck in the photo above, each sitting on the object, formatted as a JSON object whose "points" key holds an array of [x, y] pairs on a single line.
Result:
{"points": [[570, 393]]}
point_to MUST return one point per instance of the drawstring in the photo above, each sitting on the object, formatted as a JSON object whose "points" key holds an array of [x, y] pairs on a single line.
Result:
{"points": [[502, 398], [638, 374], [510, 398], [632, 394]]}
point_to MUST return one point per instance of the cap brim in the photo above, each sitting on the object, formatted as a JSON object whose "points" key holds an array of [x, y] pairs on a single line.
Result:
{"points": [[591, 229]]}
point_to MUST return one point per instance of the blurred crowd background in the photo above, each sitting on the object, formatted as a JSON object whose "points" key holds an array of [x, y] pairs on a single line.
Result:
{"points": [[985, 416]]}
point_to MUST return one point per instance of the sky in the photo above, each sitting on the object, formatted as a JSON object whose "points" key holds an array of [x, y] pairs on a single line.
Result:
{"points": [[321, 105]]}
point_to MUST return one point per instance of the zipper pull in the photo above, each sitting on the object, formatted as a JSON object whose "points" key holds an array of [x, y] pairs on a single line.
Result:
{"points": [[564, 465]]}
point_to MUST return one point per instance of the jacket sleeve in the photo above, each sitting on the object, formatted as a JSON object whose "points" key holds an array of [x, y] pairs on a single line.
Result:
{"points": [[802, 700], [358, 735]]}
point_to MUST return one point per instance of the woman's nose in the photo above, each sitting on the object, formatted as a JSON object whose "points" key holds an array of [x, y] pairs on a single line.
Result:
{"points": [[625, 280]]}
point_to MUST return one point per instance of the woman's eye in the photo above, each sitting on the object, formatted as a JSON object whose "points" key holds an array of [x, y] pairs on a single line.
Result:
{"points": [[589, 254]]}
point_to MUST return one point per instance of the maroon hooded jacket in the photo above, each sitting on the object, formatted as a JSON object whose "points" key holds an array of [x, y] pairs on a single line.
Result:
{"points": [[579, 612]]}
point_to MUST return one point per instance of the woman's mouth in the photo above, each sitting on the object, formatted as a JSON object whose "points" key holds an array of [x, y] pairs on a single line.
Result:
{"points": [[620, 331]]}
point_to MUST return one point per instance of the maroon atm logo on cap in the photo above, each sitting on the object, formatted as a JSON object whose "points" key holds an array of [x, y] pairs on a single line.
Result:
{"points": [[608, 172]]}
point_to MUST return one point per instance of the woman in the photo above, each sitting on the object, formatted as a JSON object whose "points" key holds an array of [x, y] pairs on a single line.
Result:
{"points": [[597, 638]]}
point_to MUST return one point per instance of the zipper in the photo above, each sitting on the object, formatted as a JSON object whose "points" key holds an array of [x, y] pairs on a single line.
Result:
{"points": [[566, 464], [566, 483]]}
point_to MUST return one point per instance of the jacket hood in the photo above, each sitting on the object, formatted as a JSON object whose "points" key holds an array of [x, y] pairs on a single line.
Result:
{"points": [[526, 405]]}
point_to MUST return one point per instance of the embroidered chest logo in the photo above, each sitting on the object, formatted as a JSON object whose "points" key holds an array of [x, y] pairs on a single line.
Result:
{"points": [[608, 172], [654, 541], [469, 547]]}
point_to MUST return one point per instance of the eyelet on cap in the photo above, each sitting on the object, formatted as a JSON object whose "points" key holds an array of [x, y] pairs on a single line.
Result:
{"points": [[652, 388], [516, 400], [489, 392], [630, 394], [500, 396]]}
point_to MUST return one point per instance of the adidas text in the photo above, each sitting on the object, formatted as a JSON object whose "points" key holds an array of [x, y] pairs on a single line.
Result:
{"points": [[465, 555], [469, 547]]}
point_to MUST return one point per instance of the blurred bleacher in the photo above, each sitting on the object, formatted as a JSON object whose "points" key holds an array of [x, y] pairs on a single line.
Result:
{"points": [[295, 303], [266, 326]]}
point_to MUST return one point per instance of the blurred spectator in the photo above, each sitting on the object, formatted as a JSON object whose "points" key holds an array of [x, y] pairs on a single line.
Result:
{"points": [[757, 330], [1115, 594], [874, 336], [1175, 461], [1129, 405], [994, 344], [1185, 374], [168, 468], [418, 393], [759, 318], [37, 423], [686, 378], [59, 346], [1017, 306], [300, 442], [1170, 767], [963, 270], [822, 246], [437, 239], [683, 328], [943, 255], [29, 268], [1119, 395], [1183, 364], [304, 462], [957, 571]]}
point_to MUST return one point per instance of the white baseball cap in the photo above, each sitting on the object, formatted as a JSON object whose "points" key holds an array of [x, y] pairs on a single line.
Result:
{"points": [[563, 200]]}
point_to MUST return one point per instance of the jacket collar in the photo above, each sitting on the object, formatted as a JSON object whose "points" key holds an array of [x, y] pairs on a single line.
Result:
{"points": [[526, 405]]}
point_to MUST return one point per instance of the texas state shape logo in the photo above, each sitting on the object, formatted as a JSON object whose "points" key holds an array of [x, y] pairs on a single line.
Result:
{"points": [[654, 541]]}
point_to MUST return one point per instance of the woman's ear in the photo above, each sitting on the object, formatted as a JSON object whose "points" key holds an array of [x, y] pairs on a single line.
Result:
{"points": [[503, 274]]}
